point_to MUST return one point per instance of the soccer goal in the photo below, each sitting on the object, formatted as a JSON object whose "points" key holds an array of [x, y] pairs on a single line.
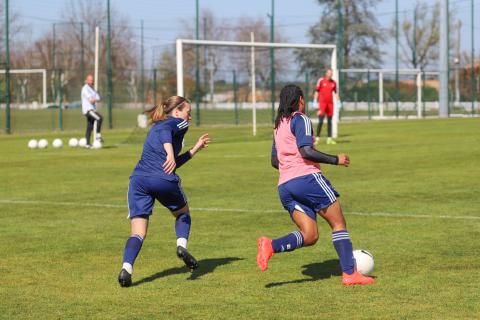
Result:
{"points": [[247, 63], [373, 93], [27, 84]]}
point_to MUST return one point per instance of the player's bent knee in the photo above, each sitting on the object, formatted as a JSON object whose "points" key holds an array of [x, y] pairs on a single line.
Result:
{"points": [[181, 211], [310, 238]]}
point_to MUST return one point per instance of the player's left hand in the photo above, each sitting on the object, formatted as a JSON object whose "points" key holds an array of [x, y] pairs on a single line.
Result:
{"points": [[202, 142]]}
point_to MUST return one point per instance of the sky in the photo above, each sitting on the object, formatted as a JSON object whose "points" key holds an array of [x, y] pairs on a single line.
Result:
{"points": [[163, 18]]}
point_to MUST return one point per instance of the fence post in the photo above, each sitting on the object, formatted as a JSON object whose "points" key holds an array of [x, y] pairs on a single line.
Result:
{"points": [[60, 99], [368, 95], [235, 102], [154, 87]]}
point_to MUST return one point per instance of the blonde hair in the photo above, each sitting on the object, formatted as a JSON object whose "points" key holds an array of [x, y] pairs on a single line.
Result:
{"points": [[161, 112]]}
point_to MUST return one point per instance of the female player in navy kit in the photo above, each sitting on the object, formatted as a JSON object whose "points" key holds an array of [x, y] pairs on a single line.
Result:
{"points": [[154, 177]]}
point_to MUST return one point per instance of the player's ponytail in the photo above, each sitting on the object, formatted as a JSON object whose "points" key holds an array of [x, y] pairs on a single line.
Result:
{"points": [[289, 102], [162, 111]]}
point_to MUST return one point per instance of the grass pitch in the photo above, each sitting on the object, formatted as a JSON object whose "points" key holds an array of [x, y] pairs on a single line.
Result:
{"points": [[410, 197]]}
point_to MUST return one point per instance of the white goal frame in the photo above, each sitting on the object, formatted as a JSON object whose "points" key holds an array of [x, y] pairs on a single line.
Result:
{"points": [[44, 80], [253, 45], [413, 72]]}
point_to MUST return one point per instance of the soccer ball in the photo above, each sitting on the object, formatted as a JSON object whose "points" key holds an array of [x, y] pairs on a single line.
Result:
{"points": [[363, 261], [73, 142], [57, 143], [82, 142], [42, 144], [97, 144], [33, 144]]}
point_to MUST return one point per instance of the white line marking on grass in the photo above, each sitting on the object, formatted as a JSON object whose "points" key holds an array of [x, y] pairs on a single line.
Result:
{"points": [[353, 213]]}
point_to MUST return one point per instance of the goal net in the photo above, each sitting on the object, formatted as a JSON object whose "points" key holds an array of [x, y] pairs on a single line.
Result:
{"points": [[233, 83], [28, 98]]}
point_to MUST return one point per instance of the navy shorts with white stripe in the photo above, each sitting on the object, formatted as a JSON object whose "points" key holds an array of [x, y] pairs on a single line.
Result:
{"points": [[309, 194]]}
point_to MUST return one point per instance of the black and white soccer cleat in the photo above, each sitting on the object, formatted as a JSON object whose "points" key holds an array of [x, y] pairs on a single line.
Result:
{"points": [[124, 278], [189, 260]]}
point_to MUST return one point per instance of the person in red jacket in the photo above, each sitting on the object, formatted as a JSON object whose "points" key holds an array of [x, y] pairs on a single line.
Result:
{"points": [[324, 91]]}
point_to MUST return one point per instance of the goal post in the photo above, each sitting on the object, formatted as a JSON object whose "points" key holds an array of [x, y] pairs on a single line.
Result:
{"points": [[417, 79], [43, 72], [180, 69]]}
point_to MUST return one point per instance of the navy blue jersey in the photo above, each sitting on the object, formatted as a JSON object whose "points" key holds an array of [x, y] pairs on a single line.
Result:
{"points": [[172, 130]]}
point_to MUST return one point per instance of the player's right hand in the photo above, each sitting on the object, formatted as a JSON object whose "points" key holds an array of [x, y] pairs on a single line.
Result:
{"points": [[169, 165], [343, 160]]}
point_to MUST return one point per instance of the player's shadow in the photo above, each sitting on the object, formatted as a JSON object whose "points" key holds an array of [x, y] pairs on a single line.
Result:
{"points": [[205, 266], [315, 271]]}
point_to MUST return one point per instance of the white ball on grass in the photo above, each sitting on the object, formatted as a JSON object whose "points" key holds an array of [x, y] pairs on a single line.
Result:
{"points": [[82, 142], [42, 143], [73, 142], [363, 261], [97, 144], [57, 143], [33, 144]]}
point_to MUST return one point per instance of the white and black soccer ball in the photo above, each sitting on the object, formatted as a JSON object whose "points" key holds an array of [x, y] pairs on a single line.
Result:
{"points": [[363, 261], [97, 144], [82, 142], [73, 142], [57, 143], [33, 144], [42, 144]]}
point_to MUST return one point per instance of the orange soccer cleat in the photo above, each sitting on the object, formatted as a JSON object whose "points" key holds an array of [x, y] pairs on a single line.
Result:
{"points": [[356, 278], [265, 252]]}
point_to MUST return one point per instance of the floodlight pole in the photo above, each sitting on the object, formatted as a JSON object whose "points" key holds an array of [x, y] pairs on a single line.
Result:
{"points": [[109, 67], [82, 52], [155, 87], [272, 59], [443, 61], [197, 67], [340, 43], [95, 71], [7, 71], [254, 93], [142, 62], [472, 70], [397, 84]]}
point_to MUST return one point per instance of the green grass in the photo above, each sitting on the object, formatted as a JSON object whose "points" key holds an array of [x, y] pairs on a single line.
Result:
{"points": [[61, 246]]}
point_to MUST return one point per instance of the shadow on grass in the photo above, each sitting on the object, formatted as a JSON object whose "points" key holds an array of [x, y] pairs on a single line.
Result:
{"points": [[315, 271], [205, 266]]}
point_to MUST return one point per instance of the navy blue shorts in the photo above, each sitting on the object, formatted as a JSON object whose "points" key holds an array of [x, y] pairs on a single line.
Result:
{"points": [[142, 192], [309, 194]]}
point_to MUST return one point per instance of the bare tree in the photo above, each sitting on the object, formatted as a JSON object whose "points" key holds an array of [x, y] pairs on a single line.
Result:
{"points": [[362, 36], [211, 58], [68, 44], [258, 26], [421, 37]]}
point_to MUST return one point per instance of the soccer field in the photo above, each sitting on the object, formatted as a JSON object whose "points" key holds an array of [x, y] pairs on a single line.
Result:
{"points": [[410, 197]]}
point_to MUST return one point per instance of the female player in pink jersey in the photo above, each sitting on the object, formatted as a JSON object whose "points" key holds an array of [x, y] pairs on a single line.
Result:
{"points": [[303, 190]]}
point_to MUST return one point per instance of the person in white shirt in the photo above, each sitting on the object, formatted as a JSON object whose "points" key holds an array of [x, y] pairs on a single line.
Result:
{"points": [[89, 109]]}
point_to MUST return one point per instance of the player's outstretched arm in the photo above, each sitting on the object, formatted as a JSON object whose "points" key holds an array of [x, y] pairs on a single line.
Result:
{"points": [[202, 142], [309, 153]]}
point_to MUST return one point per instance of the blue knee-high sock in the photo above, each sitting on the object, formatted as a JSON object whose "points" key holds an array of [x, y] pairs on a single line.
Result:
{"points": [[343, 245], [182, 229], [290, 242], [132, 248]]}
